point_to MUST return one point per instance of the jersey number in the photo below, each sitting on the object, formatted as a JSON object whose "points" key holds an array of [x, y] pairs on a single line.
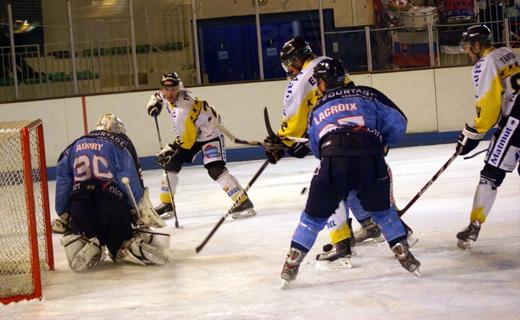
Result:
{"points": [[86, 168]]}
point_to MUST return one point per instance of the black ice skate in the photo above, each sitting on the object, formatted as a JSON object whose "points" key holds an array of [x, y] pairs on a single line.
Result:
{"points": [[406, 258], [335, 256], [166, 210], [291, 266], [469, 233], [244, 210], [368, 231]]}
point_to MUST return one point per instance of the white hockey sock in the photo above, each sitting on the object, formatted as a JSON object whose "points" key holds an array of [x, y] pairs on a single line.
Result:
{"points": [[483, 201], [230, 185], [164, 196]]}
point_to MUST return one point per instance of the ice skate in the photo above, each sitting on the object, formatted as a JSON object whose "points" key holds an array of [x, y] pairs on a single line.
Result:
{"points": [[244, 210], [291, 266], [469, 233], [335, 256], [368, 233], [406, 258], [60, 228], [166, 210]]}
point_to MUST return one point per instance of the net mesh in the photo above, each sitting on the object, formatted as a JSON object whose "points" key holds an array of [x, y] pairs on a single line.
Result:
{"points": [[15, 248]]}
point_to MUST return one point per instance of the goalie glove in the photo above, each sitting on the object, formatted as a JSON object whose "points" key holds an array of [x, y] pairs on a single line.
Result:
{"points": [[154, 105], [468, 140], [146, 214], [166, 155], [274, 149]]}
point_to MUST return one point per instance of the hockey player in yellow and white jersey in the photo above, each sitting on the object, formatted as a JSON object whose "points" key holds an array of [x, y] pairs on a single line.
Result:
{"points": [[496, 76], [196, 128], [301, 96]]}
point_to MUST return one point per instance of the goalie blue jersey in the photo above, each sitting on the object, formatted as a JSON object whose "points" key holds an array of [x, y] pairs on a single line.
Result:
{"points": [[355, 107], [97, 162]]}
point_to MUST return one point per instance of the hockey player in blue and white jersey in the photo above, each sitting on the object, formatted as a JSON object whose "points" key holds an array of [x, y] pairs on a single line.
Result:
{"points": [[93, 201], [348, 131]]}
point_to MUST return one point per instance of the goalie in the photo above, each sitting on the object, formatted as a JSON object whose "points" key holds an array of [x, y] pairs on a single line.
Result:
{"points": [[94, 207]]}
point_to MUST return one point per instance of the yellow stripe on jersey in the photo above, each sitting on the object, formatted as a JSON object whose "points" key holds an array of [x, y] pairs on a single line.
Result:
{"points": [[190, 130], [296, 124], [488, 106]]}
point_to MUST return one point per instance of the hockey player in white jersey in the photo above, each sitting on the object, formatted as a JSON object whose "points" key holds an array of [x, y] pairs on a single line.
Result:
{"points": [[496, 74], [196, 128]]}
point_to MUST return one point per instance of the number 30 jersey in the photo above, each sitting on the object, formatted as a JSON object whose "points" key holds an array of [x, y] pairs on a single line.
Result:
{"points": [[97, 162], [496, 77]]}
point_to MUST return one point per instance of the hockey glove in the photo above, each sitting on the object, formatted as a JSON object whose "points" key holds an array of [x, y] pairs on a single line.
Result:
{"points": [[298, 150], [62, 224], [274, 149], [166, 155], [468, 140], [154, 105]]}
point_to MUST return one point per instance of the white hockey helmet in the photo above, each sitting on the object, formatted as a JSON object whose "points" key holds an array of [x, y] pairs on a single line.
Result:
{"points": [[110, 122]]}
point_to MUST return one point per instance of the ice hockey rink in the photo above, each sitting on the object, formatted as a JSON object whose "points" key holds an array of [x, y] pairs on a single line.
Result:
{"points": [[237, 274]]}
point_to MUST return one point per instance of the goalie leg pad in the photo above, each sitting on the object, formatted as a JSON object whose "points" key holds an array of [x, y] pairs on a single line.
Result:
{"points": [[82, 253], [137, 251]]}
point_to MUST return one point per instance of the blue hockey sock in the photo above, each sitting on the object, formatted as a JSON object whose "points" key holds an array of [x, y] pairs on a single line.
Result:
{"points": [[307, 231]]}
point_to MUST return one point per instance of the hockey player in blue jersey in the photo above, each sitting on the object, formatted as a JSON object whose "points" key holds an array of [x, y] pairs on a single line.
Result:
{"points": [[348, 131], [95, 204]]}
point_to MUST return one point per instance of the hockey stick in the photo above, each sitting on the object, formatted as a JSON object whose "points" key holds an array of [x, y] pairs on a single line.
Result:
{"points": [[475, 154], [272, 134], [235, 139], [428, 184], [235, 204], [166, 173]]}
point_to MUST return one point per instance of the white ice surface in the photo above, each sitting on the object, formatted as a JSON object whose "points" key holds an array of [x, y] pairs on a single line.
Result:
{"points": [[237, 275]]}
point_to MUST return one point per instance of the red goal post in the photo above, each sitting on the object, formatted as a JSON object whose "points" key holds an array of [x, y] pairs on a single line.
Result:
{"points": [[25, 228]]}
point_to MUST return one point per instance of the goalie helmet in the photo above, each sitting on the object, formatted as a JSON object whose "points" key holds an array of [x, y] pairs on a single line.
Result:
{"points": [[110, 122], [331, 71], [294, 49], [170, 79], [479, 32]]}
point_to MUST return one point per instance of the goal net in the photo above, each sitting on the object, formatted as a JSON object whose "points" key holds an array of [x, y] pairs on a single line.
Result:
{"points": [[25, 231]]}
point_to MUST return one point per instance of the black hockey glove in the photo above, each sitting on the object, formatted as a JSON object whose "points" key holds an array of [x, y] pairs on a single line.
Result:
{"points": [[274, 149], [468, 140], [298, 150], [166, 155], [154, 105]]}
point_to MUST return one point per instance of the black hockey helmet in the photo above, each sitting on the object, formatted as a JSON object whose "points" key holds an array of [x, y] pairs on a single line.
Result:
{"points": [[478, 32], [331, 71], [296, 48], [170, 79]]}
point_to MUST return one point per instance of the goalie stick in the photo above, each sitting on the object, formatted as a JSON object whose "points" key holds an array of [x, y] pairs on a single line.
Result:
{"points": [[166, 173], [428, 184], [235, 204]]}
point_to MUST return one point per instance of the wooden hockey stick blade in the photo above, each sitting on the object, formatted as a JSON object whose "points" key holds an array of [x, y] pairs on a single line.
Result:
{"points": [[270, 131]]}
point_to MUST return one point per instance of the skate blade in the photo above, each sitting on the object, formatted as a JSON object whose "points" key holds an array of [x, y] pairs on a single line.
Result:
{"points": [[167, 215], [412, 240], [339, 264], [244, 214], [463, 244], [417, 273], [369, 241], [284, 284]]}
